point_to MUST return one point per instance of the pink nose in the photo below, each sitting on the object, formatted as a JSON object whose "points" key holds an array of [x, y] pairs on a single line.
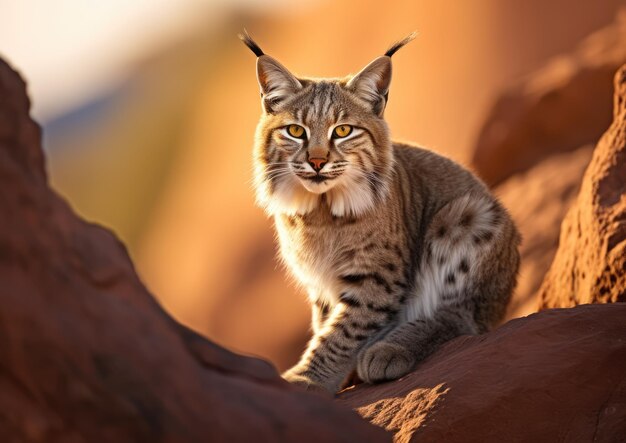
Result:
{"points": [[317, 163]]}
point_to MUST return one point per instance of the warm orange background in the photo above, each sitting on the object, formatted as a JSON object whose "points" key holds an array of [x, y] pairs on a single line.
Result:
{"points": [[164, 160]]}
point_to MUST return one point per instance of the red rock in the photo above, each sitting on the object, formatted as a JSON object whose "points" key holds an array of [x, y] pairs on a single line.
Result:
{"points": [[538, 200], [86, 353], [590, 264], [561, 107], [559, 375]]}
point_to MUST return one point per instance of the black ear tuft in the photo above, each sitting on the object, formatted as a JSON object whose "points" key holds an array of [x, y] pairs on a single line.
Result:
{"points": [[247, 40], [394, 48]]}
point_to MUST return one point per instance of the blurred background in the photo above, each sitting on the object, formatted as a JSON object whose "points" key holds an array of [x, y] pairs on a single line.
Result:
{"points": [[149, 107]]}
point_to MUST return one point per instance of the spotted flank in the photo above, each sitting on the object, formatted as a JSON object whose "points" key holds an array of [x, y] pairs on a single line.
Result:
{"points": [[454, 243]]}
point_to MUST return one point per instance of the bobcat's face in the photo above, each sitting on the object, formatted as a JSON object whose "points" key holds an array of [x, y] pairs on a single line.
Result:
{"points": [[322, 140]]}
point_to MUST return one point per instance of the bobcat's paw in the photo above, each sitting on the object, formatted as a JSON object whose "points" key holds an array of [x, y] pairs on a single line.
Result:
{"points": [[304, 382], [384, 361]]}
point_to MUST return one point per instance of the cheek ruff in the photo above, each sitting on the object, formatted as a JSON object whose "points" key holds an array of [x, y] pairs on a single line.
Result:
{"points": [[351, 194]]}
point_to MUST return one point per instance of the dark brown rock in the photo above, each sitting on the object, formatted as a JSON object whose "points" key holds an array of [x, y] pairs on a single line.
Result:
{"points": [[87, 355], [559, 108], [559, 375], [590, 264]]}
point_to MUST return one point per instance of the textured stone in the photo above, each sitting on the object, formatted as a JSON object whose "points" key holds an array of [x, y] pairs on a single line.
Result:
{"points": [[561, 107], [590, 264], [538, 200], [559, 375], [86, 353]]}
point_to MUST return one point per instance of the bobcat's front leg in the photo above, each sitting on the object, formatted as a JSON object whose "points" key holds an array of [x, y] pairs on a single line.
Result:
{"points": [[320, 311], [331, 353]]}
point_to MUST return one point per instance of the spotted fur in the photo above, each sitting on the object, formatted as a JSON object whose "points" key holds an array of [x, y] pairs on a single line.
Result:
{"points": [[400, 249]]}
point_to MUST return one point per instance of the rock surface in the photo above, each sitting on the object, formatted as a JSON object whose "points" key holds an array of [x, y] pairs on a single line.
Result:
{"points": [[559, 108], [559, 375], [538, 200], [87, 355], [590, 264]]}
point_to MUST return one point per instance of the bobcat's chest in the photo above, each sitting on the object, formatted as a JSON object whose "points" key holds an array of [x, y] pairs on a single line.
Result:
{"points": [[316, 254]]}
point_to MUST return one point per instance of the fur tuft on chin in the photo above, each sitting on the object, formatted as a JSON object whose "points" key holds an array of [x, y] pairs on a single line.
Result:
{"points": [[350, 197]]}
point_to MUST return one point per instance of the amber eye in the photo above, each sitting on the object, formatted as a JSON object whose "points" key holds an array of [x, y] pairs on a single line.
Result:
{"points": [[296, 131], [342, 131]]}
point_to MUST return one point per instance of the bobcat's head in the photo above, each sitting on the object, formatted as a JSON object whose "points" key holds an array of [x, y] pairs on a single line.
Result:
{"points": [[322, 140]]}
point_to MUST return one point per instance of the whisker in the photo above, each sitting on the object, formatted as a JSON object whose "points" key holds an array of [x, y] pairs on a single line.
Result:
{"points": [[367, 176]]}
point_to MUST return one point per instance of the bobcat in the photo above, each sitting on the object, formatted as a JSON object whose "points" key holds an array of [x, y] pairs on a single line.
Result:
{"points": [[400, 249]]}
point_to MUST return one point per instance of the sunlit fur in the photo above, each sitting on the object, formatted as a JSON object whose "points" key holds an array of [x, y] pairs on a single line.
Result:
{"points": [[358, 167], [400, 249]]}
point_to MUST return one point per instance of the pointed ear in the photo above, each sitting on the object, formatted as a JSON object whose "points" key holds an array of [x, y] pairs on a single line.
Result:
{"points": [[372, 83], [276, 82]]}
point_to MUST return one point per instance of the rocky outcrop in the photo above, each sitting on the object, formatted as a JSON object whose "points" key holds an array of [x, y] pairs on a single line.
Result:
{"points": [[538, 200], [559, 375], [560, 108], [590, 264], [87, 355]]}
